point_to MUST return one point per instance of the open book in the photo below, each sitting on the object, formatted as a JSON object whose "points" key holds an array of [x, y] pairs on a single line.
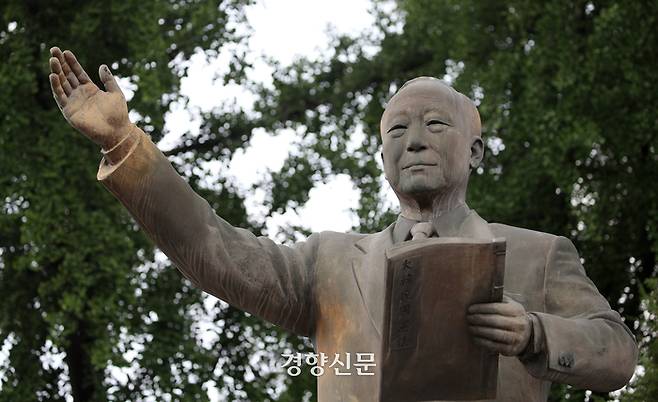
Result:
{"points": [[428, 353]]}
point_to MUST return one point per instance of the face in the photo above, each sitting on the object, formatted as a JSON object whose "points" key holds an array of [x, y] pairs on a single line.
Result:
{"points": [[425, 149]]}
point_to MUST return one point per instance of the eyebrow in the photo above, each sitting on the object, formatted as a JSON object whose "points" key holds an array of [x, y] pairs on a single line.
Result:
{"points": [[394, 118], [401, 112], [443, 115]]}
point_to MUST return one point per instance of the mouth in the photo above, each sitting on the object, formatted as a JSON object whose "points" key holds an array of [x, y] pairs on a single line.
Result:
{"points": [[417, 165]]}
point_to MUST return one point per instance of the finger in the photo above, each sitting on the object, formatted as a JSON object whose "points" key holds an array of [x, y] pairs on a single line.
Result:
{"points": [[58, 91], [56, 68], [494, 308], [494, 334], [492, 346], [108, 79], [66, 69], [76, 67], [54, 51], [62, 60], [73, 80], [54, 65], [493, 321]]}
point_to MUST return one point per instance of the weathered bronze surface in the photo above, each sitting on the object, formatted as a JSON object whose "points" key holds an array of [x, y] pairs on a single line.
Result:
{"points": [[553, 327]]}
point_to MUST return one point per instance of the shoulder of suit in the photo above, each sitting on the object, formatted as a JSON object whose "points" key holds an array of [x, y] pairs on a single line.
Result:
{"points": [[521, 236], [339, 237]]}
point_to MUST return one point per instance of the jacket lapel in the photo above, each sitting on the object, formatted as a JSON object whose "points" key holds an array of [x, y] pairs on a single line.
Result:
{"points": [[369, 274]]}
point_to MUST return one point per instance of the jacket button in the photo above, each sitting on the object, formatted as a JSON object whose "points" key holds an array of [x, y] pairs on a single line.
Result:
{"points": [[566, 359]]}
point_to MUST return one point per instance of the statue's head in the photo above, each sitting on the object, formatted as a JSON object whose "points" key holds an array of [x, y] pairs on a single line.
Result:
{"points": [[431, 140]]}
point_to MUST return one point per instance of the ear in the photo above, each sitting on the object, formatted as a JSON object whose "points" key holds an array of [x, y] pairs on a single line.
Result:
{"points": [[477, 152], [382, 155]]}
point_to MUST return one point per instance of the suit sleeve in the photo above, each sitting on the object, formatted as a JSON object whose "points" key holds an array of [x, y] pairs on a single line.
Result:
{"points": [[251, 273], [586, 343]]}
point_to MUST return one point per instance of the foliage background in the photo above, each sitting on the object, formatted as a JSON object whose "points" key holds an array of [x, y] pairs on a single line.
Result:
{"points": [[566, 91]]}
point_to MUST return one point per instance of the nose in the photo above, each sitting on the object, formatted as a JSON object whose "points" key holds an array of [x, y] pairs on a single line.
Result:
{"points": [[416, 139]]}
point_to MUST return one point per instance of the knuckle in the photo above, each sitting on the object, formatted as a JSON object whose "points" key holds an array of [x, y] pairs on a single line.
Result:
{"points": [[518, 326]]}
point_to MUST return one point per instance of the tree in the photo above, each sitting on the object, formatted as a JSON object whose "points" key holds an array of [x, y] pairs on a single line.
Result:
{"points": [[79, 281], [565, 94]]}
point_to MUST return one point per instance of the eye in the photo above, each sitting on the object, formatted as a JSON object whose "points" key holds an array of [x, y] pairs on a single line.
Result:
{"points": [[396, 129], [436, 121], [436, 125]]}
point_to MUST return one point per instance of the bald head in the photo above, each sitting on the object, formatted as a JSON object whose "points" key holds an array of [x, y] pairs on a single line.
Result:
{"points": [[461, 109]]}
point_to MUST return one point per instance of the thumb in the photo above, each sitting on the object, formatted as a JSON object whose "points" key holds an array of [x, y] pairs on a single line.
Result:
{"points": [[108, 79]]}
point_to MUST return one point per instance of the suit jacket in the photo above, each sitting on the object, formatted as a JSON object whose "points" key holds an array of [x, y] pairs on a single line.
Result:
{"points": [[331, 287]]}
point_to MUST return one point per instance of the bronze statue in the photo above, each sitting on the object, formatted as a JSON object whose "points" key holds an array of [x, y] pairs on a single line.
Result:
{"points": [[553, 327]]}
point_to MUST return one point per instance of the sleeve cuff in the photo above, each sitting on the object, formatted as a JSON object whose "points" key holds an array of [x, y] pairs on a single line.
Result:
{"points": [[535, 356], [119, 153]]}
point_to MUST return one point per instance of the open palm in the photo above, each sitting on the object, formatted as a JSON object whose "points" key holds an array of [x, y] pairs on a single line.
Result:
{"points": [[102, 116]]}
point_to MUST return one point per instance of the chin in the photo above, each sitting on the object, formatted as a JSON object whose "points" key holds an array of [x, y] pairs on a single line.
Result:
{"points": [[422, 185], [422, 191]]}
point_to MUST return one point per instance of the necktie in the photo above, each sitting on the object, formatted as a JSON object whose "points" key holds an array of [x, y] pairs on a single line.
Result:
{"points": [[422, 230]]}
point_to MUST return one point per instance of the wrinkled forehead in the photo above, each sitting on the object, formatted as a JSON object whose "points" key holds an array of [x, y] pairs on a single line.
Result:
{"points": [[425, 93]]}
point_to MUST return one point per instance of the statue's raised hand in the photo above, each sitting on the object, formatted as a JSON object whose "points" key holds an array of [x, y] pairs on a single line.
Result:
{"points": [[102, 116]]}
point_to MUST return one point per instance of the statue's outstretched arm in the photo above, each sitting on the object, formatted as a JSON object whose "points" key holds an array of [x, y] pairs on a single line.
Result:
{"points": [[252, 273]]}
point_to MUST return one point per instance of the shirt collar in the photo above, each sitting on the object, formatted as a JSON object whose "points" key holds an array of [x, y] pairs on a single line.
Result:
{"points": [[402, 228], [446, 224]]}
